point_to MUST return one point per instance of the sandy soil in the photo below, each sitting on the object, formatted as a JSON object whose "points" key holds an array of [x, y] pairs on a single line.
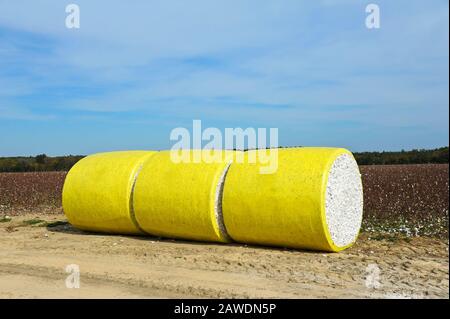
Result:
{"points": [[33, 259]]}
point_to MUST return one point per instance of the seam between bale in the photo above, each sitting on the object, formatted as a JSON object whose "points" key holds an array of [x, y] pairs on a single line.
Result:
{"points": [[131, 203], [218, 200]]}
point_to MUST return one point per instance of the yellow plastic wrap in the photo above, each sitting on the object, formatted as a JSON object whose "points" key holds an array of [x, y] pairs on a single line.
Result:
{"points": [[97, 191], [181, 200], [286, 208]]}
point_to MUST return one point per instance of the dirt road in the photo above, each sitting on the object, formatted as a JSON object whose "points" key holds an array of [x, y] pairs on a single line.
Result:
{"points": [[34, 256]]}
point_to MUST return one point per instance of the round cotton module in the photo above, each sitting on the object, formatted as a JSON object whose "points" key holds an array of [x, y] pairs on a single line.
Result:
{"points": [[308, 198], [311, 200], [176, 198], [98, 191], [344, 201]]}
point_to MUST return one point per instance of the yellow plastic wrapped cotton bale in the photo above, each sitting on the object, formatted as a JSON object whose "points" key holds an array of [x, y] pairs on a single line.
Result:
{"points": [[97, 191], [180, 197], [314, 200]]}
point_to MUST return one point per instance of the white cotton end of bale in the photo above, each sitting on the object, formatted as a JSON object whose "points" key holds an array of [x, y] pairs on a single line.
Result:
{"points": [[344, 201]]}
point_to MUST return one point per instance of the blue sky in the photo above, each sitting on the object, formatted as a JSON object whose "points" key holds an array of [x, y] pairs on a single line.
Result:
{"points": [[133, 72]]}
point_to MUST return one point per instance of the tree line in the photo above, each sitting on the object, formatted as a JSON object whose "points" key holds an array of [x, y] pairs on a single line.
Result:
{"points": [[43, 162], [436, 156], [39, 163]]}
